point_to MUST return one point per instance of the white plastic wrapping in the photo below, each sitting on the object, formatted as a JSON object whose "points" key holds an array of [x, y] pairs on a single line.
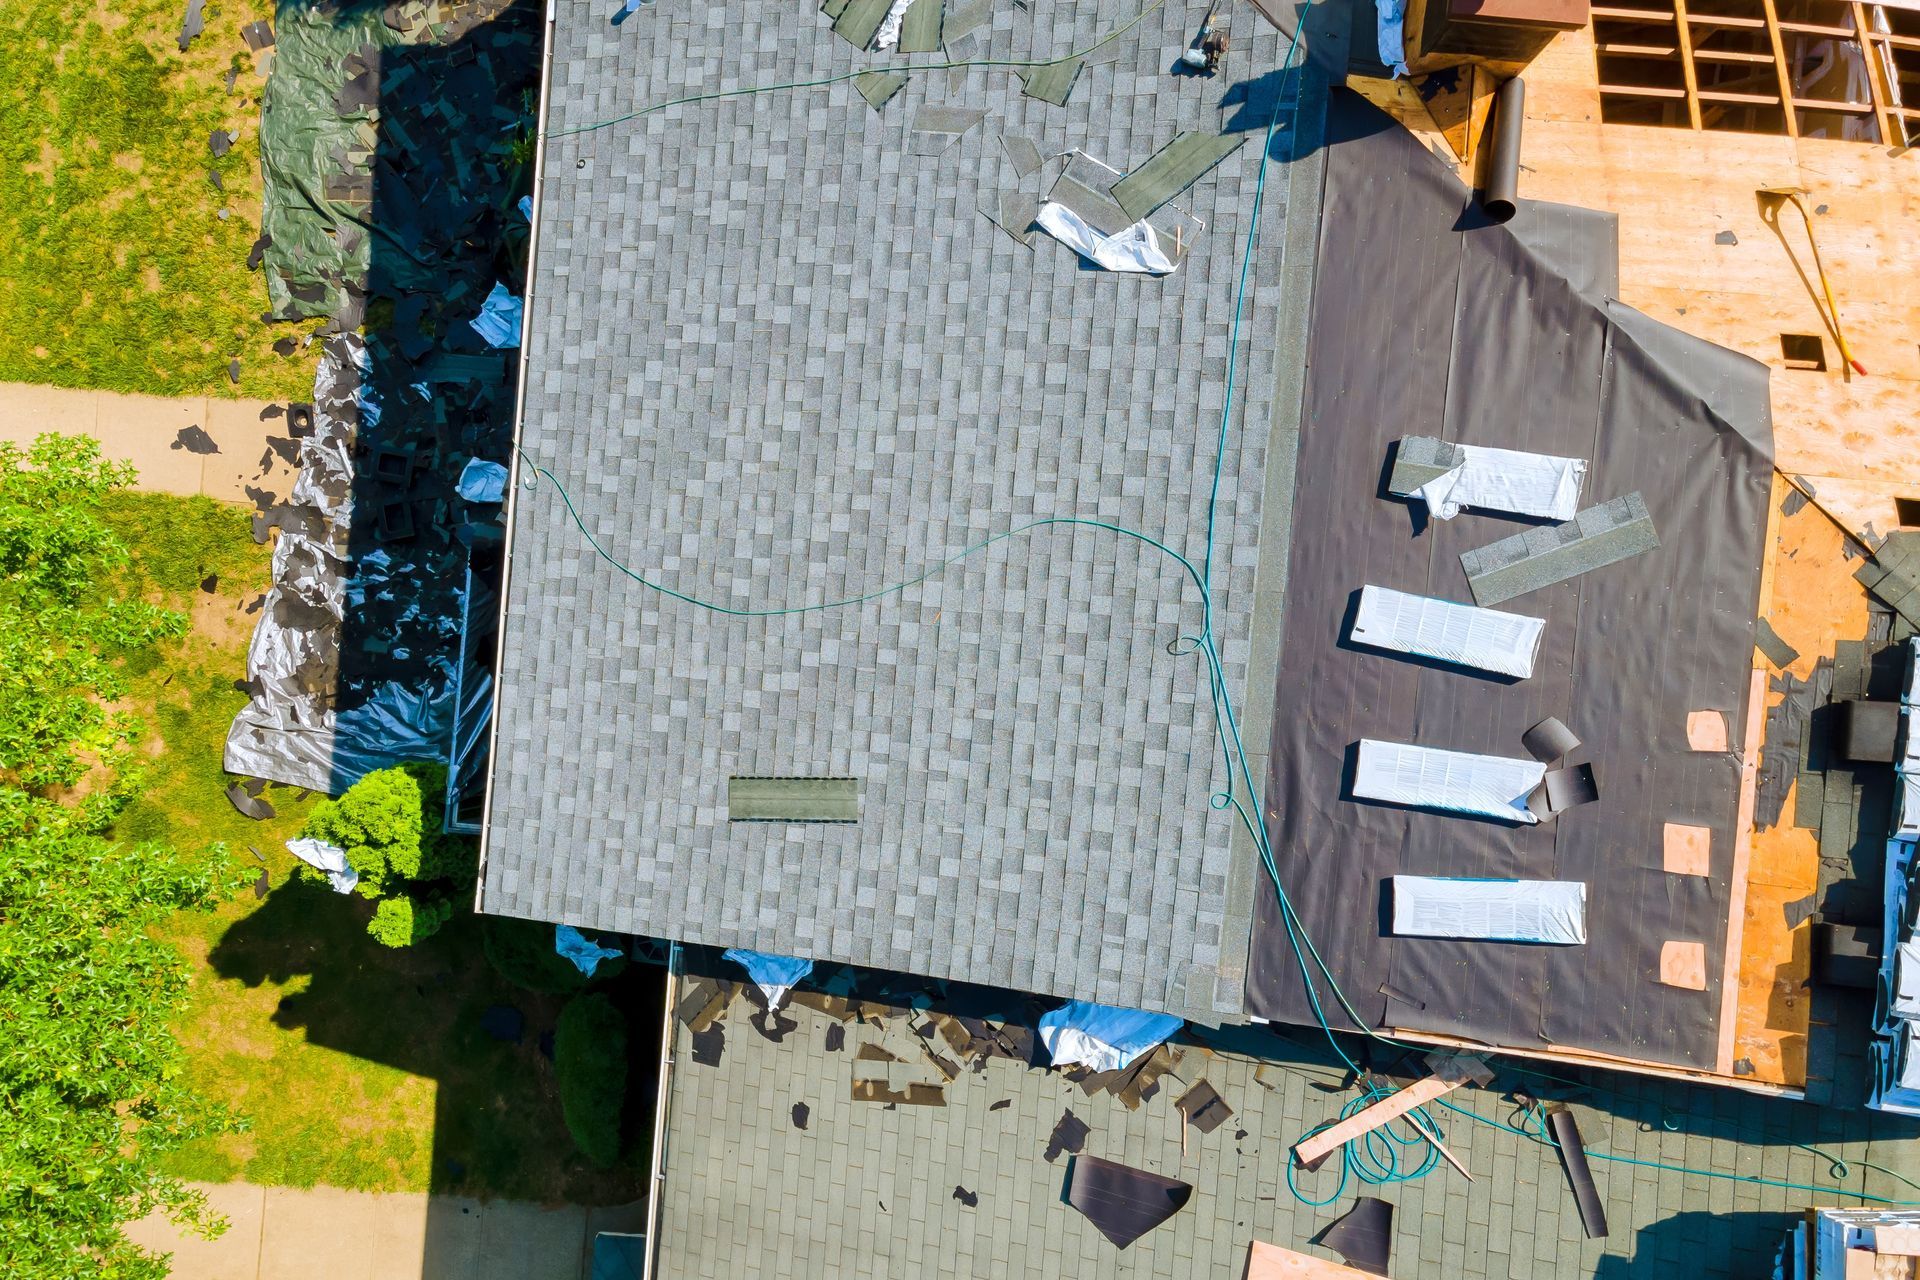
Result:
{"points": [[1905, 999], [1505, 643], [1490, 910], [330, 858], [1135, 249], [1428, 778], [1509, 481]]}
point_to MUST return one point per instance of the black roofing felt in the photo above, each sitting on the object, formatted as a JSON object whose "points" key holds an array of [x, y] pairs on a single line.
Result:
{"points": [[1427, 321]]}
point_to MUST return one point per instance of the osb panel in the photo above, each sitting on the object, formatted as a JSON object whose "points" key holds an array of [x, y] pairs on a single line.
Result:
{"points": [[1813, 603], [1696, 253]]}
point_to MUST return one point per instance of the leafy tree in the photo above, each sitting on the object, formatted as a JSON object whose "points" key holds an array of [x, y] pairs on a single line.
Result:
{"points": [[389, 825], [61, 634], [91, 1093], [590, 1067]]}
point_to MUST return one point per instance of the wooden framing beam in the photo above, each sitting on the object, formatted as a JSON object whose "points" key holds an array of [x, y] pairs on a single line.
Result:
{"points": [[1684, 38], [1780, 67], [1642, 91], [1875, 66]]}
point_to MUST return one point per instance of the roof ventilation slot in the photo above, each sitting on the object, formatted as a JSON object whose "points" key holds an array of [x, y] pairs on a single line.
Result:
{"points": [[761, 799]]}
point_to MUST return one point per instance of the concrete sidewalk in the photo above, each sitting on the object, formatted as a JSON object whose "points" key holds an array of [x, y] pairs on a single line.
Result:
{"points": [[147, 431], [282, 1233]]}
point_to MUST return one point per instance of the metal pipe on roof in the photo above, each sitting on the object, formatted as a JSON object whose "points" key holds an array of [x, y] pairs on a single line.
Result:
{"points": [[1501, 194]]}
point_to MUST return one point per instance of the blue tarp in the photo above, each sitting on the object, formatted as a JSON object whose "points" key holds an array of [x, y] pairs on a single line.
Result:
{"points": [[585, 954], [482, 481], [1101, 1036], [774, 975], [499, 318]]}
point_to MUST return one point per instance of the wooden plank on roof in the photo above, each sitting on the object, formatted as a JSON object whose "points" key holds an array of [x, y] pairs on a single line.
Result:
{"points": [[1316, 1147], [1271, 1262]]}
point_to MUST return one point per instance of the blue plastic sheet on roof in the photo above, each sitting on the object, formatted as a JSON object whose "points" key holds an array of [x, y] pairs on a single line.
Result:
{"points": [[499, 318], [1101, 1036], [585, 953], [774, 975], [766, 968], [526, 207]]}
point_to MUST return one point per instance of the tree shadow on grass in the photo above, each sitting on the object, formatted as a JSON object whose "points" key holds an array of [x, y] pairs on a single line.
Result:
{"points": [[439, 1010]]}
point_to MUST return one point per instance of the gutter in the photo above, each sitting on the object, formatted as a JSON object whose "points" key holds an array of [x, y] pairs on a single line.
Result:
{"points": [[519, 421], [657, 1160]]}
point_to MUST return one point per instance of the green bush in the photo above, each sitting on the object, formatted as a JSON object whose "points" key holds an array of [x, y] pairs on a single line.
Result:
{"points": [[521, 951], [389, 825], [590, 1063], [402, 921]]}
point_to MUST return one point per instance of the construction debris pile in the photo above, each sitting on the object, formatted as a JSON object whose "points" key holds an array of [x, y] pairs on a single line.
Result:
{"points": [[397, 146], [910, 1042]]}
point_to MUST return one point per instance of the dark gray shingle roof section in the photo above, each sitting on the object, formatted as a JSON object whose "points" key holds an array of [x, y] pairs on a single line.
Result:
{"points": [[778, 358]]}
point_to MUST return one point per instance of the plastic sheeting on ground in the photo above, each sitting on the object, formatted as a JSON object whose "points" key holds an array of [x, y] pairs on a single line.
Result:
{"points": [[293, 731], [1460, 781], [1101, 1036], [315, 204], [1463, 634], [330, 858], [1511, 481], [1490, 910], [774, 975], [482, 481], [585, 953], [1135, 249], [499, 320]]}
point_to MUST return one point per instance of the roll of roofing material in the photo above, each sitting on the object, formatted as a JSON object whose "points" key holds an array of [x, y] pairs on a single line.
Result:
{"points": [[1501, 194]]}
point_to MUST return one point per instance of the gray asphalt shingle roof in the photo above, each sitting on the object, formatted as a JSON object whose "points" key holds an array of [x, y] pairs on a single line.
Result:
{"points": [[776, 357]]}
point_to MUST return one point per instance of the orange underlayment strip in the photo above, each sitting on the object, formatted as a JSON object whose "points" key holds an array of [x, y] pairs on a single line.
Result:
{"points": [[1814, 603]]}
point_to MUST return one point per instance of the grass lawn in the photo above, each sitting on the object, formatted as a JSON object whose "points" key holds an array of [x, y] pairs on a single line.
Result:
{"points": [[117, 269], [360, 1066]]}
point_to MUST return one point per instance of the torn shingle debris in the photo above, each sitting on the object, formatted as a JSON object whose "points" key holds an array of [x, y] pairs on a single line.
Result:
{"points": [[878, 87], [937, 128], [1051, 82], [709, 1044], [1171, 170], [194, 439], [192, 23], [1068, 1137], [1124, 1203], [1573, 1161], [1203, 1107], [249, 805], [1363, 1235]]}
